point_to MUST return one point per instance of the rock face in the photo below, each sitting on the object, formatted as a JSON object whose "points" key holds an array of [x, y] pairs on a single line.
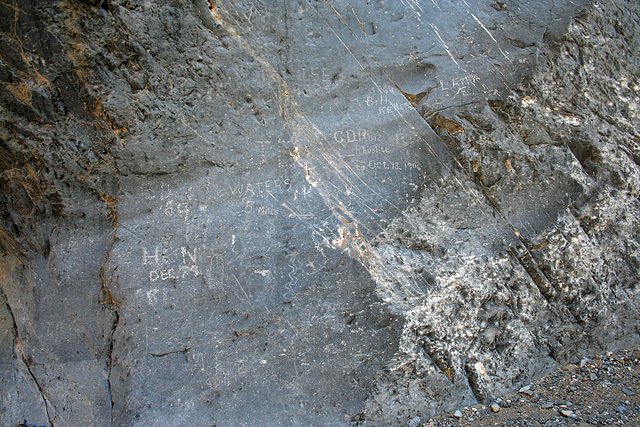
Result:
{"points": [[310, 212]]}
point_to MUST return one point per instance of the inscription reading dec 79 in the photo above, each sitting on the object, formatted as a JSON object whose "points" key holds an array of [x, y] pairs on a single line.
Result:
{"points": [[170, 266]]}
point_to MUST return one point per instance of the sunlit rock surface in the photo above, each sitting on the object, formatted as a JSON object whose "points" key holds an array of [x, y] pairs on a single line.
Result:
{"points": [[310, 212]]}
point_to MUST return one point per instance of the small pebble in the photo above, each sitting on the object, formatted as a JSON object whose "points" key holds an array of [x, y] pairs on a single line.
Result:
{"points": [[547, 405], [458, 414], [526, 390], [628, 392], [495, 407], [593, 377], [622, 408], [567, 413]]}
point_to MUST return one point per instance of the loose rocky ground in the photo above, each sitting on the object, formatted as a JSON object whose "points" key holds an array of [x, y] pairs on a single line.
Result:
{"points": [[600, 391]]}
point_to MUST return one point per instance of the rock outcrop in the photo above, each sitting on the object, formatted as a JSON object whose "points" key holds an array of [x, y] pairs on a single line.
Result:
{"points": [[310, 212]]}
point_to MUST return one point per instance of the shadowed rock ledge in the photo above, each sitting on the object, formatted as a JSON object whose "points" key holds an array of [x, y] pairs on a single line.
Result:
{"points": [[310, 212]]}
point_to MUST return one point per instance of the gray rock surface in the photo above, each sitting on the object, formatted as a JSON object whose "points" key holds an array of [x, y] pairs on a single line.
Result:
{"points": [[310, 212]]}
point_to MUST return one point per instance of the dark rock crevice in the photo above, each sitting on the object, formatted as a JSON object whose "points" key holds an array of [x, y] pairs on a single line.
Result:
{"points": [[112, 309], [19, 354], [40, 390], [204, 9], [183, 351]]}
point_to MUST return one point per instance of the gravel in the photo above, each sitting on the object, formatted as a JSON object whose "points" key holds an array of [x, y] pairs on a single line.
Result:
{"points": [[597, 392]]}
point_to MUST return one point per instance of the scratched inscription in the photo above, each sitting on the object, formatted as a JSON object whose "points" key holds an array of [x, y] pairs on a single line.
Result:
{"points": [[461, 85], [261, 188], [165, 264], [382, 100], [373, 152], [349, 136]]}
